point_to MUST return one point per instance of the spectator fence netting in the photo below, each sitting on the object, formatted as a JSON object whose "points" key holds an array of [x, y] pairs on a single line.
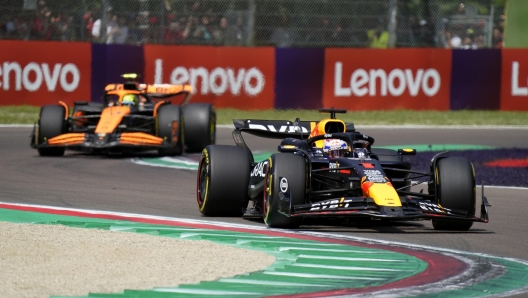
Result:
{"points": [[280, 23]]}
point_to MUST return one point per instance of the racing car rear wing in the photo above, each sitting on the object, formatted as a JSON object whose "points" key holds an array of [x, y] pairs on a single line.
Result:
{"points": [[156, 90], [275, 129]]}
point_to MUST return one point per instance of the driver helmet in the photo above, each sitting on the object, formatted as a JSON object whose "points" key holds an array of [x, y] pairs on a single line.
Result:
{"points": [[335, 148], [130, 100]]}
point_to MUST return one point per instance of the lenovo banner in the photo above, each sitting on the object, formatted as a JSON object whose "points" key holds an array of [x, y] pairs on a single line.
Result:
{"points": [[38, 73], [514, 84], [233, 77], [367, 79]]}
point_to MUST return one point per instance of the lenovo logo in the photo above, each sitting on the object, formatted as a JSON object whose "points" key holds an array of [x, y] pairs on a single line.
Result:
{"points": [[33, 75], [217, 81], [364, 82], [516, 89]]}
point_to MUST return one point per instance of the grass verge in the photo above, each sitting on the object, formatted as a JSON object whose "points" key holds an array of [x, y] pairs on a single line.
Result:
{"points": [[29, 114]]}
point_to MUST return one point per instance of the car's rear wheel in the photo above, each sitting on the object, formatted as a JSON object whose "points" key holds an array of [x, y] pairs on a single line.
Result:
{"points": [[223, 179], [169, 127], [455, 189], [51, 124], [286, 172], [199, 126]]}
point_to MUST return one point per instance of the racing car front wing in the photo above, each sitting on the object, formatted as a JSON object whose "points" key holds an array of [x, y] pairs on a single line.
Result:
{"points": [[412, 208], [101, 141]]}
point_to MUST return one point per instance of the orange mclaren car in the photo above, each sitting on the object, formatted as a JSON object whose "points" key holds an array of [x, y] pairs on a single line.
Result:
{"points": [[133, 117]]}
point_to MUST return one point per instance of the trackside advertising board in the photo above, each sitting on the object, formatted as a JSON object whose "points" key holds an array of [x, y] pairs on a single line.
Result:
{"points": [[228, 77], [39, 73], [367, 79], [514, 89]]}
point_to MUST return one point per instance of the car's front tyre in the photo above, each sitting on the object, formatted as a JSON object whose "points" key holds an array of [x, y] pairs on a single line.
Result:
{"points": [[289, 171], [223, 180], [52, 123], [199, 126], [455, 189]]}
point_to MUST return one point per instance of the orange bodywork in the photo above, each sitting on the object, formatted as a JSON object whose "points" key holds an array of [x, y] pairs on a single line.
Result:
{"points": [[110, 119], [67, 139], [153, 89], [139, 138], [62, 103]]}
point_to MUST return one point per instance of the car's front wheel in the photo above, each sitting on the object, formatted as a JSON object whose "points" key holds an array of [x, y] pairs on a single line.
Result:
{"points": [[286, 173], [199, 126], [455, 189], [223, 180], [51, 124]]}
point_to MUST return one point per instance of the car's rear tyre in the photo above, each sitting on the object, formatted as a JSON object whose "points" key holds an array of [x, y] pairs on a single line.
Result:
{"points": [[167, 114], [293, 168], [51, 124], [199, 126], [455, 189], [223, 179]]}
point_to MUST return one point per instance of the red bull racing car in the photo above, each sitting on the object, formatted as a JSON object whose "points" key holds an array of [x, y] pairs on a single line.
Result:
{"points": [[328, 169], [133, 117]]}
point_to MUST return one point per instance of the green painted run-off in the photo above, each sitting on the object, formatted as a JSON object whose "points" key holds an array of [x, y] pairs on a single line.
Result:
{"points": [[301, 266]]}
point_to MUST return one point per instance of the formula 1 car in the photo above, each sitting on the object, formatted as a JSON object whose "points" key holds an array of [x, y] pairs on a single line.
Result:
{"points": [[134, 117], [328, 169]]}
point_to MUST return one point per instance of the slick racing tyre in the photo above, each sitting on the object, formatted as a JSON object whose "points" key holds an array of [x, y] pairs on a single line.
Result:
{"points": [[199, 126], [51, 124], [223, 180], [286, 171], [173, 133], [455, 189]]}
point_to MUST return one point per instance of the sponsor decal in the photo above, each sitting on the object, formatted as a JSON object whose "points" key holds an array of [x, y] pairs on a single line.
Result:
{"points": [[218, 81], [514, 82], [51, 76], [260, 169], [433, 207], [518, 88], [395, 83], [331, 204], [283, 185], [333, 166], [226, 77], [374, 176], [32, 76], [418, 79]]}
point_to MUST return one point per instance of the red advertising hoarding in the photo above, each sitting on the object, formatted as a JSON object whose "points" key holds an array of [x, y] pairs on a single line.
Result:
{"points": [[39, 73], [232, 77], [514, 83], [369, 79]]}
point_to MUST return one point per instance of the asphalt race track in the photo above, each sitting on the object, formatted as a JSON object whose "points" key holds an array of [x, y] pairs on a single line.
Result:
{"points": [[115, 184]]}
